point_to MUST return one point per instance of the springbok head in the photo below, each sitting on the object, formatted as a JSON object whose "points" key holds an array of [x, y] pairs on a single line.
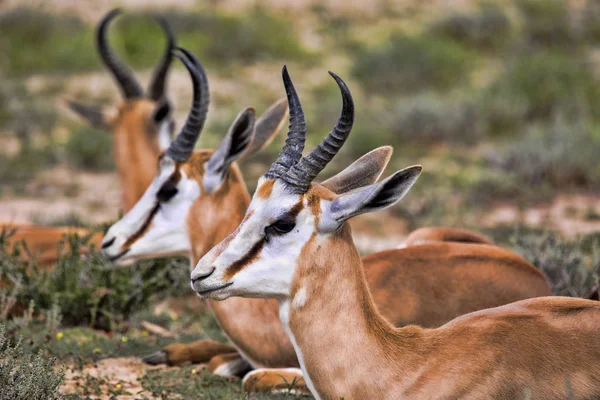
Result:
{"points": [[197, 197], [261, 257], [141, 124]]}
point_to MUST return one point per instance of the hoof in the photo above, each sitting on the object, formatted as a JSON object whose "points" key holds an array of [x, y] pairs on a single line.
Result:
{"points": [[160, 357]]}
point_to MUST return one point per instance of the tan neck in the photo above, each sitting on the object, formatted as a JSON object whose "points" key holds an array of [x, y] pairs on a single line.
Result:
{"points": [[341, 353], [136, 163]]}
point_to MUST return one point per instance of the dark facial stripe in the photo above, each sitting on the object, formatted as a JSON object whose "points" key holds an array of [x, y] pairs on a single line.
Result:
{"points": [[248, 258], [140, 232], [294, 211], [172, 180]]}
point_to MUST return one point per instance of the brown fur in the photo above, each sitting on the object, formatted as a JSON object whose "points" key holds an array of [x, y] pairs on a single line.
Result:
{"points": [[43, 242], [441, 234], [136, 148], [197, 352], [253, 324], [532, 346], [275, 380]]}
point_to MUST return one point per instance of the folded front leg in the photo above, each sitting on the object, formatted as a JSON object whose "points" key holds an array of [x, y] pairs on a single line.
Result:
{"points": [[275, 380], [200, 351]]}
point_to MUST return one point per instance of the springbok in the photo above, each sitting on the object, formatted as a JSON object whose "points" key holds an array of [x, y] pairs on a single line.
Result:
{"points": [[191, 206], [141, 127], [442, 234], [295, 247], [142, 124]]}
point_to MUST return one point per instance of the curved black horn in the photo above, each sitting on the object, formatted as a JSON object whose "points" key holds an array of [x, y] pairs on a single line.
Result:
{"points": [[129, 85], [291, 152], [157, 85], [182, 147], [301, 175]]}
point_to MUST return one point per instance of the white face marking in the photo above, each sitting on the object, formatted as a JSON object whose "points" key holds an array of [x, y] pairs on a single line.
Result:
{"points": [[167, 233], [270, 271], [164, 134]]}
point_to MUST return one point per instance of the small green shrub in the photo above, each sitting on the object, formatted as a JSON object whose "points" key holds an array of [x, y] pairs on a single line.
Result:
{"points": [[431, 119], [549, 83], [408, 64], [90, 149], [546, 22], [89, 290], [34, 41], [485, 29], [568, 267], [24, 376], [561, 155]]}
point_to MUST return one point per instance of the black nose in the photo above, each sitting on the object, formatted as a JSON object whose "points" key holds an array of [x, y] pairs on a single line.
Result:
{"points": [[199, 278], [109, 243]]}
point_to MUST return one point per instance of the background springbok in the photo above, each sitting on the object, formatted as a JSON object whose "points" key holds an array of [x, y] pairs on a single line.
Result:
{"points": [[294, 245], [142, 124], [191, 206], [141, 127]]}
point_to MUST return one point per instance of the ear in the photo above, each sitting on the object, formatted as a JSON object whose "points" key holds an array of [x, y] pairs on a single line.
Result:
{"points": [[267, 127], [370, 198], [95, 115], [362, 172], [234, 144], [161, 112]]}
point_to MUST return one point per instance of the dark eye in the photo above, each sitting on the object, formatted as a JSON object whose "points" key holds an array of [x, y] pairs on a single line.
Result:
{"points": [[280, 227], [166, 192]]}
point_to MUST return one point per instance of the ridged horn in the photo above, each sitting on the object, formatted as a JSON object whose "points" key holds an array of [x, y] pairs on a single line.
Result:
{"points": [[157, 85], [182, 147], [302, 174], [291, 152], [125, 78]]}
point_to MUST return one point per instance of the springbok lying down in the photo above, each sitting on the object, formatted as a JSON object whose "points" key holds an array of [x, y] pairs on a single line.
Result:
{"points": [[198, 197], [294, 248], [141, 126]]}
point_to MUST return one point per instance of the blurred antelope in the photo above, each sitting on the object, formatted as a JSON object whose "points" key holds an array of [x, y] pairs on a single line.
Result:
{"points": [[295, 246], [141, 126], [198, 198]]}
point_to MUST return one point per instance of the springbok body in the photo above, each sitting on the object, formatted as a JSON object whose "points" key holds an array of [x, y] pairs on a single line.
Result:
{"points": [[295, 246], [43, 242], [442, 234], [193, 205]]}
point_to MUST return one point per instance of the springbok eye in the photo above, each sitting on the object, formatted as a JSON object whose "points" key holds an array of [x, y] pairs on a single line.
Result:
{"points": [[166, 192], [280, 227]]}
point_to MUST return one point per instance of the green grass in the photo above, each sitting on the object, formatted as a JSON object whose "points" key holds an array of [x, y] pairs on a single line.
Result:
{"points": [[91, 291]]}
